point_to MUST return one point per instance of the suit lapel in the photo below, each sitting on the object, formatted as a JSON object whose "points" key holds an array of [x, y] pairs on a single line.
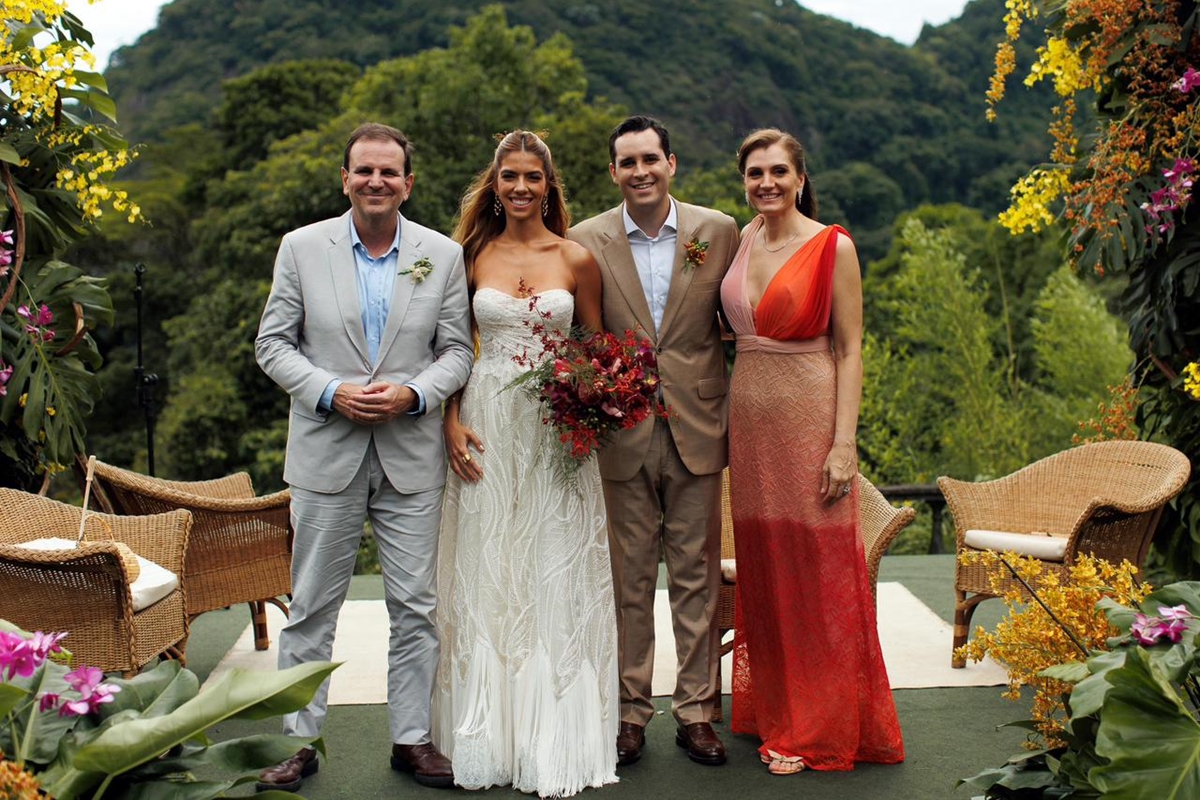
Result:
{"points": [[618, 258], [344, 276], [681, 279], [402, 287]]}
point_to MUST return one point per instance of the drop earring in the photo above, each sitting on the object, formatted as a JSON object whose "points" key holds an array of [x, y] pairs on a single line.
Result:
{"points": [[545, 204], [497, 209]]}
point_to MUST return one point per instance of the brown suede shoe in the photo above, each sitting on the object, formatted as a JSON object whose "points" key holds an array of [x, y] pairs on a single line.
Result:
{"points": [[631, 738], [702, 743], [287, 776], [427, 765]]}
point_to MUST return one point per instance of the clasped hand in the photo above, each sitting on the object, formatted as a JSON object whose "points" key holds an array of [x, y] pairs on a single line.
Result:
{"points": [[374, 403]]}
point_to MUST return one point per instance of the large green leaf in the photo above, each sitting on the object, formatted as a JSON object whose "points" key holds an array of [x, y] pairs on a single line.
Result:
{"points": [[9, 154], [243, 755], [155, 692], [1151, 740], [10, 697], [1088, 695], [240, 694]]}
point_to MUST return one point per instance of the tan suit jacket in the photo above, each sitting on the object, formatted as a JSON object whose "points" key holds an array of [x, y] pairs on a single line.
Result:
{"points": [[691, 362]]}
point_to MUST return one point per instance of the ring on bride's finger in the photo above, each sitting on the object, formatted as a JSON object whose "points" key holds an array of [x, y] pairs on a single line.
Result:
{"points": [[466, 458], [845, 488]]}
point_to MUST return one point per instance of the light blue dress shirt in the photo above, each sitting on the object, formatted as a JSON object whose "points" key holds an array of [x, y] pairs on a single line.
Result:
{"points": [[655, 258], [376, 278]]}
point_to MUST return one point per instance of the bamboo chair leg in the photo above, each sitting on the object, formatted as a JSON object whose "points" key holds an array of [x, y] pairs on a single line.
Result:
{"points": [[258, 617], [964, 609]]}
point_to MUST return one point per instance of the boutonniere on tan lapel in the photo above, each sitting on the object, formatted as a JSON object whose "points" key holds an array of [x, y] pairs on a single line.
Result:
{"points": [[696, 251], [419, 270]]}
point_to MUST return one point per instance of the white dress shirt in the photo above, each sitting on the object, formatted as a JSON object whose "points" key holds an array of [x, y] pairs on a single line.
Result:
{"points": [[654, 258]]}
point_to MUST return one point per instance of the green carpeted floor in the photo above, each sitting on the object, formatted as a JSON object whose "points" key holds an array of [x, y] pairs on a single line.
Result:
{"points": [[948, 733]]}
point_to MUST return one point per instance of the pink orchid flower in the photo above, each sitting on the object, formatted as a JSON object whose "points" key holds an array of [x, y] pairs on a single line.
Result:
{"points": [[46, 644], [1188, 81], [6, 237], [5, 375], [1173, 630], [17, 657], [1174, 612], [1145, 629], [92, 693]]}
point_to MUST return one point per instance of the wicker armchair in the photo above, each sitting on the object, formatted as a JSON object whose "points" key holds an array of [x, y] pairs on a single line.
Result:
{"points": [[241, 545], [87, 593], [1103, 499], [879, 522]]}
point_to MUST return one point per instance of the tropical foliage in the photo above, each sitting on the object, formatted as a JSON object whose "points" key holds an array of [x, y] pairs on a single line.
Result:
{"points": [[1118, 686], [56, 157], [78, 734], [1126, 196], [982, 354]]}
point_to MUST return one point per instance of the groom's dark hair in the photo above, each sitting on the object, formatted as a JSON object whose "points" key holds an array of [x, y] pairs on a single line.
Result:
{"points": [[374, 131], [637, 124]]}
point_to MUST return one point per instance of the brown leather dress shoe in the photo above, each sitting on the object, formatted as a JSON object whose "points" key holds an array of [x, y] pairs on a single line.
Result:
{"points": [[427, 765], [702, 743], [288, 775], [631, 738]]}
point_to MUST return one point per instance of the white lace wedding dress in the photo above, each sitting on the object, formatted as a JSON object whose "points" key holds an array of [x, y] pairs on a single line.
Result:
{"points": [[526, 690]]}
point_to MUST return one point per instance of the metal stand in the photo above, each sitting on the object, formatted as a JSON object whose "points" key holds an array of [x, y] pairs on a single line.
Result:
{"points": [[144, 381]]}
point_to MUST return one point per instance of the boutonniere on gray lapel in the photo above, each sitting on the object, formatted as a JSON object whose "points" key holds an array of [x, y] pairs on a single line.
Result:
{"points": [[419, 270], [696, 252]]}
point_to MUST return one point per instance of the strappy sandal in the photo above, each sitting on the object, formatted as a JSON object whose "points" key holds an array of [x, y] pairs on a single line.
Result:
{"points": [[780, 764]]}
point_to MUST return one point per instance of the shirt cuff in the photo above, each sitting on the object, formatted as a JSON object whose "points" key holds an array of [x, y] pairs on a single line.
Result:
{"points": [[420, 409], [325, 404]]}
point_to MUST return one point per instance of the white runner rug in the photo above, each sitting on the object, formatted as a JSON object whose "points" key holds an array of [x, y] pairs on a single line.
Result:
{"points": [[915, 641]]}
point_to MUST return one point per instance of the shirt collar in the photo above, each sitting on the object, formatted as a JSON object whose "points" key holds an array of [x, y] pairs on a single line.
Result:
{"points": [[671, 222], [356, 242]]}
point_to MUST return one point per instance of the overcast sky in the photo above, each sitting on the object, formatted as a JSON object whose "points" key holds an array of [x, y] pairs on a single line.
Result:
{"points": [[119, 22]]}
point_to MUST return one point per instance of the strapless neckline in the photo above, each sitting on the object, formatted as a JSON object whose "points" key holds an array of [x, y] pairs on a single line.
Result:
{"points": [[503, 293]]}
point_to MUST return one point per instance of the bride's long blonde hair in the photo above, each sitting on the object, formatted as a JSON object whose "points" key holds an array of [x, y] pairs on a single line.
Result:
{"points": [[478, 222]]}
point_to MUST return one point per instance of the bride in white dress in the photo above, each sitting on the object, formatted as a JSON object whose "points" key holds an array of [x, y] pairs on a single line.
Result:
{"points": [[526, 690]]}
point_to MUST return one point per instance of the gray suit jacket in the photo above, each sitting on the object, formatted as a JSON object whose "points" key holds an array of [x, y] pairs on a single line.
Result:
{"points": [[311, 332]]}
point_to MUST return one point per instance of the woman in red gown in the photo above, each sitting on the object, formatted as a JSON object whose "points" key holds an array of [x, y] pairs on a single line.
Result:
{"points": [[818, 693]]}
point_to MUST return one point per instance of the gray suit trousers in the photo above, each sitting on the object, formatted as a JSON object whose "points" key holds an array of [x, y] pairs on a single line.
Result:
{"points": [[328, 528]]}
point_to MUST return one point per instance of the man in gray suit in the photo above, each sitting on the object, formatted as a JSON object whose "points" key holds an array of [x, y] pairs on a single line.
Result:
{"points": [[367, 329]]}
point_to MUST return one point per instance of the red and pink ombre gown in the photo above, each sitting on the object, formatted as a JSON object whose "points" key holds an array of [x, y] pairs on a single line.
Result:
{"points": [[809, 677]]}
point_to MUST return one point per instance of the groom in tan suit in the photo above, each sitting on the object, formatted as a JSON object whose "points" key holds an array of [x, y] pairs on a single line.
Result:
{"points": [[662, 262]]}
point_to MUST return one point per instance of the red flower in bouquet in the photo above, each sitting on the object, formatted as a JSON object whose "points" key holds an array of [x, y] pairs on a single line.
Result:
{"points": [[590, 384]]}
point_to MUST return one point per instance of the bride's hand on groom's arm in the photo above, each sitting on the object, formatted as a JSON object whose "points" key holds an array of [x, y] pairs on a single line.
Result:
{"points": [[460, 441]]}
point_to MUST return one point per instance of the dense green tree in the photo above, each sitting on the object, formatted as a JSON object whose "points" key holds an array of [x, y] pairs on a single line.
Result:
{"points": [[276, 101], [940, 396]]}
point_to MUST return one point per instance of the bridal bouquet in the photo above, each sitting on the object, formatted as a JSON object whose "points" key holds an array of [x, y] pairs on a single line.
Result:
{"points": [[589, 384]]}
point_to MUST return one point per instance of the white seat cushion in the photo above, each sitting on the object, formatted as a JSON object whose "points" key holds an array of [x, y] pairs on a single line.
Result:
{"points": [[153, 581], [1040, 545], [729, 570]]}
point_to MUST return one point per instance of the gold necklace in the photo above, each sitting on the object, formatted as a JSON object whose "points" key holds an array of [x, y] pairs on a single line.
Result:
{"points": [[788, 241]]}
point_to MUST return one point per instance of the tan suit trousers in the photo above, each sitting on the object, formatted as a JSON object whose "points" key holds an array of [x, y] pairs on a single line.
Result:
{"points": [[666, 509]]}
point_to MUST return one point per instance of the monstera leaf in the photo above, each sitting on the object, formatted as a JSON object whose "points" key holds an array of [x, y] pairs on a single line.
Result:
{"points": [[52, 388]]}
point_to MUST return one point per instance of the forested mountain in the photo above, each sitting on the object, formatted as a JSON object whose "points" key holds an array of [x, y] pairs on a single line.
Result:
{"points": [[712, 69]]}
